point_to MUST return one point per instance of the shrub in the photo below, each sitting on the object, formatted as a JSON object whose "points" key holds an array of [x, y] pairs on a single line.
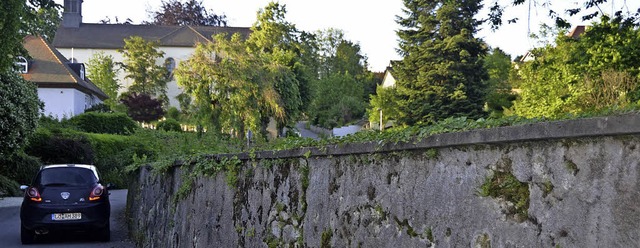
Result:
{"points": [[173, 113], [112, 123], [110, 153], [20, 167], [143, 108], [100, 108], [169, 125], [9, 187], [19, 112], [113, 153], [58, 149]]}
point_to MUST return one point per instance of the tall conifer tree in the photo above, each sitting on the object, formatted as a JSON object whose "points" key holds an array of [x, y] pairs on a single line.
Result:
{"points": [[441, 74]]}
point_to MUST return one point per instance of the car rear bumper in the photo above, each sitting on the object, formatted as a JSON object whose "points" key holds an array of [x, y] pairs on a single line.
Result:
{"points": [[39, 216]]}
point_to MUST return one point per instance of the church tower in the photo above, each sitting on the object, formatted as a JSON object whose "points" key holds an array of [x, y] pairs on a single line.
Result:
{"points": [[72, 14]]}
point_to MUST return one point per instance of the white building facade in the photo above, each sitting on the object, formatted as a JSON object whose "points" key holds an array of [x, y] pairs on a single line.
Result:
{"points": [[80, 41], [62, 85]]}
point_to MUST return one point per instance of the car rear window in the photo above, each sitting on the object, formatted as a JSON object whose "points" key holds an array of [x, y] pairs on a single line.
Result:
{"points": [[66, 176]]}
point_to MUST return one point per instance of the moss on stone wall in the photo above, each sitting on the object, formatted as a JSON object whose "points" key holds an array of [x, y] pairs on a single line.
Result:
{"points": [[506, 186]]}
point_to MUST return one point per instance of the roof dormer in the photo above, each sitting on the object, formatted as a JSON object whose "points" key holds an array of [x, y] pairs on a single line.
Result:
{"points": [[78, 68]]}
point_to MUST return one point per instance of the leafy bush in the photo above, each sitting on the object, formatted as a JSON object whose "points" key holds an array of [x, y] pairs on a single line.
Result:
{"points": [[16, 170], [110, 153], [100, 108], [19, 112], [143, 108], [169, 147], [173, 113], [112, 123], [169, 125], [61, 149], [20, 167], [9, 187], [113, 153]]}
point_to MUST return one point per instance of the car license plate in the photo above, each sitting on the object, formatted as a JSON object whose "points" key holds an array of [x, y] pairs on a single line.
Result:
{"points": [[66, 216]]}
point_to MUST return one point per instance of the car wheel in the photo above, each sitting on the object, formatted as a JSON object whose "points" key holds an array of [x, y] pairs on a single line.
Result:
{"points": [[26, 236], [104, 234]]}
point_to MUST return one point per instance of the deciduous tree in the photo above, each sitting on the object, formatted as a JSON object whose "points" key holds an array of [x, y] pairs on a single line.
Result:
{"points": [[573, 76], [500, 97], [232, 88], [587, 10], [338, 101], [19, 113], [189, 13], [278, 41], [102, 71], [140, 65], [339, 93], [385, 101], [142, 107], [19, 99], [42, 19]]}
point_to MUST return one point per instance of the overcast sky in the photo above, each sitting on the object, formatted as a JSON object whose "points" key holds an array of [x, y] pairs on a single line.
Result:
{"points": [[371, 23]]}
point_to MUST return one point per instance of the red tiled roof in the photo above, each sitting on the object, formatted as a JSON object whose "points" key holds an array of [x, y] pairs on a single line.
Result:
{"points": [[577, 31], [49, 69], [111, 36]]}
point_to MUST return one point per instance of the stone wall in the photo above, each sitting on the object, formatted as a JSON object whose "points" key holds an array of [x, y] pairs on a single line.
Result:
{"points": [[559, 184]]}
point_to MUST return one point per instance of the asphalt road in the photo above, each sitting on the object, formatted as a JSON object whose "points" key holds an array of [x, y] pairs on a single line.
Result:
{"points": [[304, 132], [10, 226]]}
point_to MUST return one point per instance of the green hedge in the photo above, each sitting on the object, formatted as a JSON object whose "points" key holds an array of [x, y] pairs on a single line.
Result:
{"points": [[9, 187], [111, 123], [114, 152], [20, 167], [60, 146], [17, 170], [110, 153], [169, 125]]}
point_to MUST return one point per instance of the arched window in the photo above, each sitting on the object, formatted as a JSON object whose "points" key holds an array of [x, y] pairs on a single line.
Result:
{"points": [[22, 65], [170, 64]]}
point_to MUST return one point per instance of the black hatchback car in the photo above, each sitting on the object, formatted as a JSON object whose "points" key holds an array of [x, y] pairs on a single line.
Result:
{"points": [[65, 198]]}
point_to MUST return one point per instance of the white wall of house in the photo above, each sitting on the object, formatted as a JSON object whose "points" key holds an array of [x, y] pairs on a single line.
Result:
{"points": [[65, 103], [179, 54], [388, 80]]}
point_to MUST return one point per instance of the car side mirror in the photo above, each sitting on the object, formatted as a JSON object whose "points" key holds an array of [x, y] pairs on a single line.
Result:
{"points": [[24, 187]]}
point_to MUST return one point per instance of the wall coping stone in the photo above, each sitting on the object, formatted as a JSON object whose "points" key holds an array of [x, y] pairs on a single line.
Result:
{"points": [[627, 124]]}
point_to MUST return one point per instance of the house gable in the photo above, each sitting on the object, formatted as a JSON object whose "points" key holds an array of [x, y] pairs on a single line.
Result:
{"points": [[389, 80], [183, 37], [61, 85], [49, 69]]}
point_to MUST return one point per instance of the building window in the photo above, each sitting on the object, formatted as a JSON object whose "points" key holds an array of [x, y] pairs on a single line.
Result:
{"points": [[71, 6], [22, 65], [82, 71], [170, 64]]}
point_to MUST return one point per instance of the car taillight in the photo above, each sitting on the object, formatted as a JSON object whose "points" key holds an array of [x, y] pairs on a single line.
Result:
{"points": [[96, 193], [33, 194]]}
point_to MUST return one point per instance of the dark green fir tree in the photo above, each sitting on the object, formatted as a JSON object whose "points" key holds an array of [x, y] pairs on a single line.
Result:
{"points": [[442, 74]]}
